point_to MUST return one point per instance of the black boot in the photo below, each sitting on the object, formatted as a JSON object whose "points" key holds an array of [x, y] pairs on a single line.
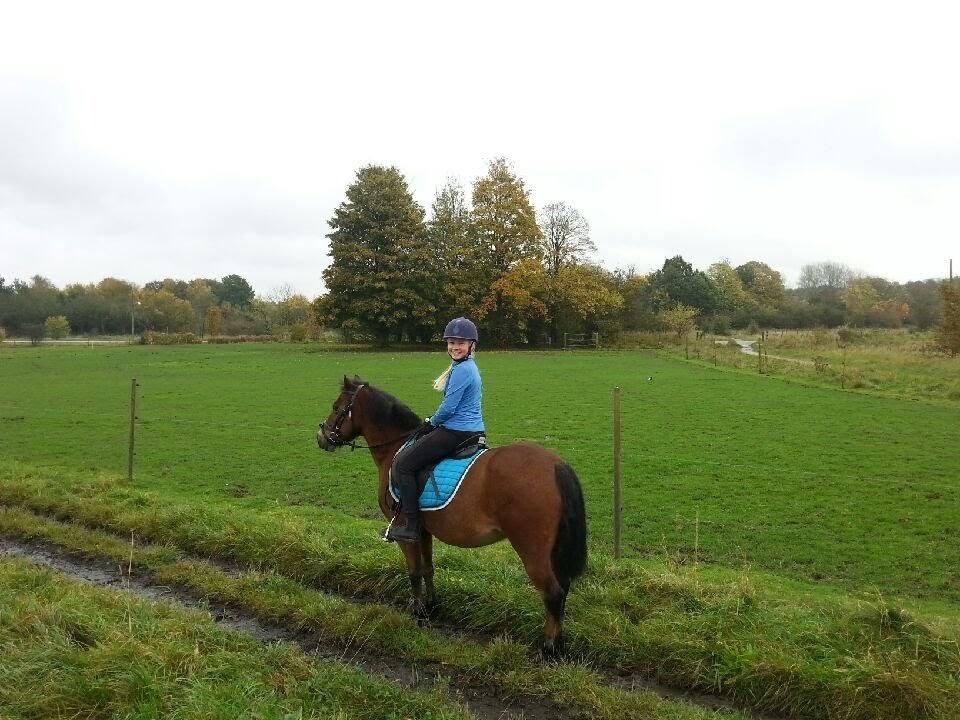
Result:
{"points": [[410, 507]]}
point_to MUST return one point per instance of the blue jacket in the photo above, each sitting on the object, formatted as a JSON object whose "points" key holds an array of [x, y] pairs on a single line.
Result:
{"points": [[460, 409]]}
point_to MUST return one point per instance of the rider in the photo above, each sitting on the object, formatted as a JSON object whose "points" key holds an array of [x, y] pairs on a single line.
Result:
{"points": [[458, 418]]}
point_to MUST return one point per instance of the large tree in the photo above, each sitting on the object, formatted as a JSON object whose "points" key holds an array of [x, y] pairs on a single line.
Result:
{"points": [[382, 277], [677, 282], [566, 243], [456, 254], [235, 290], [506, 231], [566, 237]]}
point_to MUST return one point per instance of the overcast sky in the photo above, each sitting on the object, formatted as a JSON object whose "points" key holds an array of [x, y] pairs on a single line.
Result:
{"points": [[195, 139]]}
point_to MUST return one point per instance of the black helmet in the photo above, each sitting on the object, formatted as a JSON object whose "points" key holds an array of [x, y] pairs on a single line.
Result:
{"points": [[461, 329]]}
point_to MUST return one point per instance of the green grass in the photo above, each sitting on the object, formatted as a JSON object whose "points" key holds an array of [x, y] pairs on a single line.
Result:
{"points": [[719, 466], [724, 632], [72, 650], [502, 666]]}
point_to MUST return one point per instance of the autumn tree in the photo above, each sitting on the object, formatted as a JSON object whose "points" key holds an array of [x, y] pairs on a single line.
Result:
{"points": [[456, 253], [382, 278], [679, 318], [860, 298], [730, 293], [201, 297], [505, 228]]}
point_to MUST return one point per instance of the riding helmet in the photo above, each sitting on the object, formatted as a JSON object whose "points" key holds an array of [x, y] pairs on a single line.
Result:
{"points": [[460, 328]]}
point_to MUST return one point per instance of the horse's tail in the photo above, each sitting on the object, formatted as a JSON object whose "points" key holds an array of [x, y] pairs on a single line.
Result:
{"points": [[569, 554]]}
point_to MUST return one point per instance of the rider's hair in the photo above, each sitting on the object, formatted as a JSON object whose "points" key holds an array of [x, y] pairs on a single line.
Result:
{"points": [[440, 384]]}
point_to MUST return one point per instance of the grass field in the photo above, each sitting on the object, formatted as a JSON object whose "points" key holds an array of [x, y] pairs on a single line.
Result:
{"points": [[825, 512], [736, 469]]}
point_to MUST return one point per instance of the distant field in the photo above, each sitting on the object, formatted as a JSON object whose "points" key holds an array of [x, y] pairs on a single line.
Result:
{"points": [[893, 363], [719, 466]]}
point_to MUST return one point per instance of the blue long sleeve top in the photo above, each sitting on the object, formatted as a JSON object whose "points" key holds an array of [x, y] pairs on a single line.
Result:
{"points": [[460, 409]]}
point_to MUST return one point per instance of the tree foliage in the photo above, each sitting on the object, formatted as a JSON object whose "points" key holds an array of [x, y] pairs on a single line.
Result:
{"points": [[948, 333], [382, 279]]}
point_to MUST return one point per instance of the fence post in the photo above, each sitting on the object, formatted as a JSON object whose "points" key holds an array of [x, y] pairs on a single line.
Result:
{"points": [[133, 421], [617, 507]]}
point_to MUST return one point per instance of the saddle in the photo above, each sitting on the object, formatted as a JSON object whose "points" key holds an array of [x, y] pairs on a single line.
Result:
{"points": [[444, 477]]}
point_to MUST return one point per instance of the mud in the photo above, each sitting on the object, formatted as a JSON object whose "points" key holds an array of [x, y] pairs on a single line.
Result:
{"points": [[482, 701]]}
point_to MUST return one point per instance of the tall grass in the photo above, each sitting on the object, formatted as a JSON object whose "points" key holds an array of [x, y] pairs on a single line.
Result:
{"points": [[841, 659], [72, 650]]}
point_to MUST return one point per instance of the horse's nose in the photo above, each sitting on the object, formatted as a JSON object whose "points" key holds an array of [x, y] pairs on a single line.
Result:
{"points": [[321, 440]]}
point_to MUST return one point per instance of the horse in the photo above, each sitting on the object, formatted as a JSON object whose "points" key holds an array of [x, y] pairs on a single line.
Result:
{"points": [[520, 492]]}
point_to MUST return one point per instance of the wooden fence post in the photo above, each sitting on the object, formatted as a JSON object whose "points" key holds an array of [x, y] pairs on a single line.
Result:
{"points": [[133, 422], [617, 507]]}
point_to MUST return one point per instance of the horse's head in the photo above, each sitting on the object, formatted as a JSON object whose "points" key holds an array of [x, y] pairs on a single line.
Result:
{"points": [[343, 424]]}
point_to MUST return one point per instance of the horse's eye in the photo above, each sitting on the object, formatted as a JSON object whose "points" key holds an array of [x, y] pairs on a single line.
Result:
{"points": [[334, 407]]}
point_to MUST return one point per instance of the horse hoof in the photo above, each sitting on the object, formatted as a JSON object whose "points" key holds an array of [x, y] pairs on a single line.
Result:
{"points": [[552, 649], [418, 610]]}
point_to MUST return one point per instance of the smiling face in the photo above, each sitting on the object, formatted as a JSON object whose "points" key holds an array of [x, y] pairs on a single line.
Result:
{"points": [[457, 348]]}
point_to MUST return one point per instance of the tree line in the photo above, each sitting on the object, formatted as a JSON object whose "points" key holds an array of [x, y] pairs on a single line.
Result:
{"points": [[204, 306], [527, 277]]}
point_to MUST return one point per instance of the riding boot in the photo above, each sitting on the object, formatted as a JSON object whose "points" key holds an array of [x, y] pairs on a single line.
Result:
{"points": [[410, 507]]}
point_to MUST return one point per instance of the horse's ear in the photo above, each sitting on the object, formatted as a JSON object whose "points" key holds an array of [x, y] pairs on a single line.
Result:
{"points": [[357, 380], [346, 383]]}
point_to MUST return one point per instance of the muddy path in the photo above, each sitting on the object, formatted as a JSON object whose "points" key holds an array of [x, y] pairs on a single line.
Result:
{"points": [[482, 701]]}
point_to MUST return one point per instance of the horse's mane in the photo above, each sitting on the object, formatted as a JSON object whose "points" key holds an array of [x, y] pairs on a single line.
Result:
{"points": [[385, 409]]}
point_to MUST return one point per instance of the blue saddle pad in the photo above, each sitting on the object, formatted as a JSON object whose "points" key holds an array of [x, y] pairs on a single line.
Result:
{"points": [[443, 481]]}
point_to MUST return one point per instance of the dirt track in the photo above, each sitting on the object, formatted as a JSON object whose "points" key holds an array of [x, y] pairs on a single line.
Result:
{"points": [[482, 701]]}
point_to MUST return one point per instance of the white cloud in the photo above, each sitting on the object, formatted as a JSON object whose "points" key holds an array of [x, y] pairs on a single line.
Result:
{"points": [[203, 139]]}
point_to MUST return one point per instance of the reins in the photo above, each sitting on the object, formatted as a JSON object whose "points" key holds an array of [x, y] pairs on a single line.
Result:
{"points": [[333, 437]]}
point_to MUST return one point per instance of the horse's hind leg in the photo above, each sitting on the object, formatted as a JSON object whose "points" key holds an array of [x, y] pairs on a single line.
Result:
{"points": [[537, 563]]}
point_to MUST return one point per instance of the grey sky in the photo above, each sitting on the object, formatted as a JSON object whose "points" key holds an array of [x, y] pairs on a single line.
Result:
{"points": [[202, 139]]}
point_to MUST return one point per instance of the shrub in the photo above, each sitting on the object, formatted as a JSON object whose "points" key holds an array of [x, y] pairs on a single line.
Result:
{"points": [[948, 334], [3, 334], [151, 337], [34, 331], [57, 327], [230, 339], [299, 332]]}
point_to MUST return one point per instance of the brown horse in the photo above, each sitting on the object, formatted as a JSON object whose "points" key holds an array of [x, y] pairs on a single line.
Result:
{"points": [[521, 492]]}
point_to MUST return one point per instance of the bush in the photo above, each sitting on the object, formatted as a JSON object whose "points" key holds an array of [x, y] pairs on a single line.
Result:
{"points": [[298, 332], [3, 334], [230, 339], [56, 327], [948, 334], [151, 337], [34, 331]]}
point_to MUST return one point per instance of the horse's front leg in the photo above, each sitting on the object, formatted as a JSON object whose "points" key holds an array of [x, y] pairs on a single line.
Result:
{"points": [[426, 551], [412, 553]]}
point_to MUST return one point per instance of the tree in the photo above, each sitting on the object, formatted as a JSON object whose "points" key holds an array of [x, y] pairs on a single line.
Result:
{"points": [[678, 283], [730, 293], [566, 237], [925, 302], [201, 297], [504, 225], [827, 274], [503, 219], [679, 318], [860, 297], [762, 283], [235, 290], [56, 327], [948, 334], [517, 299], [165, 311], [381, 279], [456, 254]]}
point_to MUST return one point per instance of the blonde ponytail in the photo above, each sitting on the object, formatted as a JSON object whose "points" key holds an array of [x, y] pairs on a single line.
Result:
{"points": [[440, 384]]}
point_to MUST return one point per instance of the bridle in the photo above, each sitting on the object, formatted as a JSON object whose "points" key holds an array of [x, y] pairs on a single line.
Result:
{"points": [[345, 413]]}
